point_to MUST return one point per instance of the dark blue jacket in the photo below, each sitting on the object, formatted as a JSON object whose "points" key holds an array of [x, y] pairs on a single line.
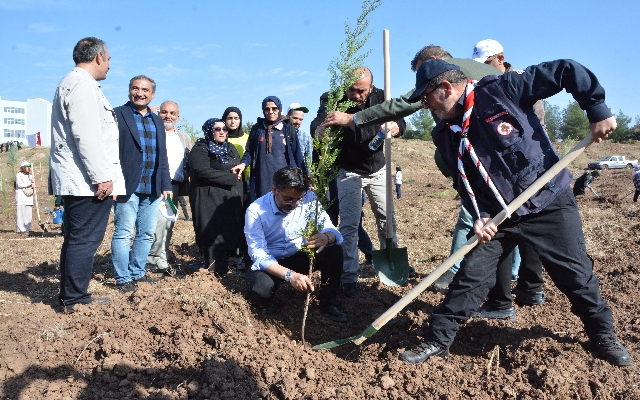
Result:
{"points": [[508, 138], [131, 151]]}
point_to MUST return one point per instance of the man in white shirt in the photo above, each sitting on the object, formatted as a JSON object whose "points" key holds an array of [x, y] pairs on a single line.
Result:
{"points": [[178, 147], [84, 167], [273, 226]]}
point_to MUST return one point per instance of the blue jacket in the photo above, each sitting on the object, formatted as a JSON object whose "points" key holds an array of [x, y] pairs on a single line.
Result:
{"points": [[508, 138], [131, 151]]}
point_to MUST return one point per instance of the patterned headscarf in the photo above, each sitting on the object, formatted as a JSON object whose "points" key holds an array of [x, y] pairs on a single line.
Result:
{"points": [[269, 124], [219, 149]]}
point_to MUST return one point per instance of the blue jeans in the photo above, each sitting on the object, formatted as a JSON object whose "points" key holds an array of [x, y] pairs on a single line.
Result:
{"points": [[139, 211], [460, 232], [399, 190]]}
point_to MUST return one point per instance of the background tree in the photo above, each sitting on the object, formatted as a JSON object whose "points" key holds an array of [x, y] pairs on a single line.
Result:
{"points": [[575, 125], [623, 132], [553, 121], [190, 130], [421, 124], [246, 127]]}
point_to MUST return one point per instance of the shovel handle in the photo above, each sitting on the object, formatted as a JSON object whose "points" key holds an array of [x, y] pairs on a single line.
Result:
{"points": [[387, 139], [471, 243]]}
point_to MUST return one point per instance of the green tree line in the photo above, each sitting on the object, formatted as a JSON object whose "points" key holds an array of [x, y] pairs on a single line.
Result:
{"points": [[566, 124]]}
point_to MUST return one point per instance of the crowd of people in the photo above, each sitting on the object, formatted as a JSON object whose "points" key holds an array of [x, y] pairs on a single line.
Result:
{"points": [[250, 194]]}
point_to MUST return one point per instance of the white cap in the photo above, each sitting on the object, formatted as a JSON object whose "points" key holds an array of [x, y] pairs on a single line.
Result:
{"points": [[485, 49], [297, 107], [25, 164]]}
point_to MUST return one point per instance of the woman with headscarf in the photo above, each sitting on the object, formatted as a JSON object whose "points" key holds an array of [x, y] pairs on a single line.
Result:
{"points": [[232, 117], [215, 196], [24, 185], [270, 147]]}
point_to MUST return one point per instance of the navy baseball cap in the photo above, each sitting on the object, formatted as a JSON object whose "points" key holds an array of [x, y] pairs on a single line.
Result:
{"points": [[427, 71]]}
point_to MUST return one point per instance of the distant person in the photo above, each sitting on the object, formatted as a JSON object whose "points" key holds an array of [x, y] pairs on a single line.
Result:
{"points": [[584, 181], [178, 145], [273, 224], [84, 167], [270, 147], [397, 179], [636, 182], [143, 155], [24, 185], [296, 115], [215, 195]]}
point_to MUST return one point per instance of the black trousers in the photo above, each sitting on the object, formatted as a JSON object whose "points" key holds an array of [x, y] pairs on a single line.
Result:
{"points": [[530, 277], [86, 221], [329, 261], [555, 234]]}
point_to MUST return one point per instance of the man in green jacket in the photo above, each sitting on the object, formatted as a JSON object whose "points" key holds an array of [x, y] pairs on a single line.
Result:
{"points": [[400, 107]]}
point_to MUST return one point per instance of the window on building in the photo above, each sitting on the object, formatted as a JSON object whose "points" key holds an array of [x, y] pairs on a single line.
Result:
{"points": [[14, 110], [19, 121], [15, 133]]}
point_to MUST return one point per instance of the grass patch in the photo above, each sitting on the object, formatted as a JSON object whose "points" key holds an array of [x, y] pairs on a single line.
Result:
{"points": [[447, 192]]}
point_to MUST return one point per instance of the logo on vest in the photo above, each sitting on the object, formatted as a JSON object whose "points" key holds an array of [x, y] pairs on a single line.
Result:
{"points": [[504, 128]]}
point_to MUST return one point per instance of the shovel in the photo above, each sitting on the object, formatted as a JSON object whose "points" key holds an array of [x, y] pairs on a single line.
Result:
{"points": [[392, 264], [35, 201], [471, 243]]}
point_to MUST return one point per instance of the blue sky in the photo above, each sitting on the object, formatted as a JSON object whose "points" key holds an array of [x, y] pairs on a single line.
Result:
{"points": [[207, 55]]}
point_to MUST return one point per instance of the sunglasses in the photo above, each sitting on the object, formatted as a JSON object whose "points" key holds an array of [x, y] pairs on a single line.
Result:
{"points": [[270, 109], [218, 129]]}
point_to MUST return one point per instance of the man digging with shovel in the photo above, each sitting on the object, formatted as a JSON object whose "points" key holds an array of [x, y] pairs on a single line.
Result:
{"points": [[488, 132]]}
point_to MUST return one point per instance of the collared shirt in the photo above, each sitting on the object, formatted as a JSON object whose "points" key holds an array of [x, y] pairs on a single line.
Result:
{"points": [[274, 235], [148, 140], [175, 154]]}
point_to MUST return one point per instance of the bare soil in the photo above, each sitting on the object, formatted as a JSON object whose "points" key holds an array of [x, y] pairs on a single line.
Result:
{"points": [[194, 336]]}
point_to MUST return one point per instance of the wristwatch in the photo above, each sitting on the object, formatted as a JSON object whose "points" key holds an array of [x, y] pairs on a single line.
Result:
{"points": [[287, 276]]}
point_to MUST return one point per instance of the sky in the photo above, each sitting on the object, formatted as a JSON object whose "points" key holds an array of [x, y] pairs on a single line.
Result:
{"points": [[208, 55]]}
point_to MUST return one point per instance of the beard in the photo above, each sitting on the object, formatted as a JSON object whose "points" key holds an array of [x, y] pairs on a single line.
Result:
{"points": [[169, 125]]}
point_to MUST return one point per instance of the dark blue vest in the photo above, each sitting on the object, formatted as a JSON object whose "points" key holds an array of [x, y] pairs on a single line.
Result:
{"points": [[511, 144]]}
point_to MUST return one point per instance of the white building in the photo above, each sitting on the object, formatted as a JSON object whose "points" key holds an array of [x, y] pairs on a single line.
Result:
{"points": [[22, 118]]}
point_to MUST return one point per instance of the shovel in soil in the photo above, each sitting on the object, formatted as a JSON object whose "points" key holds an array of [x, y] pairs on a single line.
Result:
{"points": [[391, 264], [471, 243], [35, 201]]}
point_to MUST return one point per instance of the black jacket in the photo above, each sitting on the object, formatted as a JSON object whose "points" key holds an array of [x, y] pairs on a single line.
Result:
{"points": [[131, 151], [355, 155]]}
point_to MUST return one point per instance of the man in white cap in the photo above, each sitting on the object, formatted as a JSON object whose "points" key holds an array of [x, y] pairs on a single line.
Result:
{"points": [[296, 116], [490, 52]]}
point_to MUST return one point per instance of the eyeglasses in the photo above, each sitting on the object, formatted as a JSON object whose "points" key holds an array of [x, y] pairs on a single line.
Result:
{"points": [[271, 109], [218, 129], [490, 59], [291, 200], [424, 99]]}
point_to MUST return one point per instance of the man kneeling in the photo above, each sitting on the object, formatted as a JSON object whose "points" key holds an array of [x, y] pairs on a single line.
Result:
{"points": [[273, 226]]}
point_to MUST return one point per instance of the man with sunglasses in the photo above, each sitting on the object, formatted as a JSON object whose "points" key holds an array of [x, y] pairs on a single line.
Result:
{"points": [[273, 226]]}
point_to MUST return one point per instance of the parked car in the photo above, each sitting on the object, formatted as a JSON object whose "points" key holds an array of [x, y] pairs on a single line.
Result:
{"points": [[612, 162]]}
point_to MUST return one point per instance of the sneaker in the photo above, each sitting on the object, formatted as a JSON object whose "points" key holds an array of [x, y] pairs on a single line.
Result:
{"points": [[333, 313], [423, 351], [611, 349], [530, 298], [487, 313], [127, 287], [441, 284], [350, 289], [169, 271], [147, 279]]}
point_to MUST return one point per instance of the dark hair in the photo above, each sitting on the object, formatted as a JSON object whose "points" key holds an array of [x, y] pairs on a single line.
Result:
{"points": [[87, 49], [453, 76], [291, 177], [427, 52], [135, 78]]}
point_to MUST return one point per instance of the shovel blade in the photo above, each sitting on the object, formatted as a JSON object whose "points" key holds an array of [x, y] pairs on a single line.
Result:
{"points": [[391, 264]]}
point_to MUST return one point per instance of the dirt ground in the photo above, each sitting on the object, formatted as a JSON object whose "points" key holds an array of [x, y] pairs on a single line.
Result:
{"points": [[194, 336]]}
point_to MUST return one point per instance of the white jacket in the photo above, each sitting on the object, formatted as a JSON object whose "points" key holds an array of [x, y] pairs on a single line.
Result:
{"points": [[23, 181], [84, 138]]}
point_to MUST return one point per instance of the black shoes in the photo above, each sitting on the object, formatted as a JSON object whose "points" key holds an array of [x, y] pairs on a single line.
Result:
{"points": [[611, 349], [441, 284], [487, 312], [350, 289], [127, 287], [147, 279], [423, 351], [333, 313], [169, 271], [529, 298], [101, 301]]}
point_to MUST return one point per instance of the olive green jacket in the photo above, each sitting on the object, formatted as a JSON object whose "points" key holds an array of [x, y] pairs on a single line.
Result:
{"points": [[400, 107]]}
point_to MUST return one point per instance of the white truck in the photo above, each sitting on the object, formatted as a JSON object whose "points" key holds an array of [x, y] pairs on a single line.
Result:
{"points": [[611, 162]]}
